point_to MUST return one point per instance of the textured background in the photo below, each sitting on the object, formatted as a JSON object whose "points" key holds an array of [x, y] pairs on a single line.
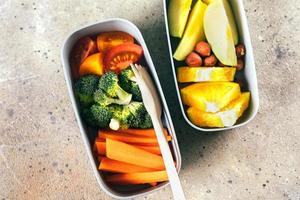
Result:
{"points": [[41, 152]]}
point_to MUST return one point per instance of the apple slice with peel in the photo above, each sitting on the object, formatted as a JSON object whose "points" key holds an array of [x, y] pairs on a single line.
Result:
{"points": [[178, 12], [219, 33], [194, 31]]}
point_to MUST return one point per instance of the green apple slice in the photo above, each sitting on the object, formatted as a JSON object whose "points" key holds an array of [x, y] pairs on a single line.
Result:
{"points": [[178, 13], [219, 33], [232, 23], [193, 33]]}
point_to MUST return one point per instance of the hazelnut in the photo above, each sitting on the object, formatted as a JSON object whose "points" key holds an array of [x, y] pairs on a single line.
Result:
{"points": [[210, 61], [193, 60], [240, 50], [240, 65], [203, 48]]}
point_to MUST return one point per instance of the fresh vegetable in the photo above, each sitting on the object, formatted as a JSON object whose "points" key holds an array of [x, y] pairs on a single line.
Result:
{"points": [[178, 13], [141, 118], [210, 96], [100, 147], [121, 56], [81, 50], [129, 138], [193, 60], [221, 32], [210, 61], [123, 152], [193, 33], [108, 40], [129, 84], [202, 74], [150, 132], [85, 88], [109, 83], [92, 65], [97, 116], [137, 178], [110, 165], [203, 48], [224, 118]]}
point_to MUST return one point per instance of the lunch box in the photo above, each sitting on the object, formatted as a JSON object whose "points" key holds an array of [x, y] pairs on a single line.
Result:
{"points": [[116, 24], [249, 71]]}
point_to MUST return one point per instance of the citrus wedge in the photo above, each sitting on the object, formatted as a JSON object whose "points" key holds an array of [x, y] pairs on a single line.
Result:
{"points": [[210, 96], [224, 118], [201, 74]]}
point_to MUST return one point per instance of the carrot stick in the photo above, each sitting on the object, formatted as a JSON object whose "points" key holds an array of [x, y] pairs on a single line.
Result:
{"points": [[120, 167], [137, 178], [125, 137], [101, 148], [150, 132], [121, 151]]}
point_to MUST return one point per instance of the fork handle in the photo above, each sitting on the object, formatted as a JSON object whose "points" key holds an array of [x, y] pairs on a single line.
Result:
{"points": [[174, 181]]}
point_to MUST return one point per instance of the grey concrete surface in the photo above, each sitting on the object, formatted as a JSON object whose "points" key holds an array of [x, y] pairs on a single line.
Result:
{"points": [[41, 152]]}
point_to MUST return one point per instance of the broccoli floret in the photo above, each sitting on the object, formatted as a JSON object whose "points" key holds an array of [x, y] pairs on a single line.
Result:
{"points": [[85, 88], [147, 123], [129, 84], [141, 118], [109, 84], [97, 116], [103, 99], [122, 117]]}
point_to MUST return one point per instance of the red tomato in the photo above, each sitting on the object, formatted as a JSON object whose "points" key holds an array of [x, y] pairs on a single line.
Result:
{"points": [[121, 56], [81, 50], [107, 40]]}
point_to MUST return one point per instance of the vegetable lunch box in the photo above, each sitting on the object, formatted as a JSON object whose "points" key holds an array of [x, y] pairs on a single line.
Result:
{"points": [[116, 24]]}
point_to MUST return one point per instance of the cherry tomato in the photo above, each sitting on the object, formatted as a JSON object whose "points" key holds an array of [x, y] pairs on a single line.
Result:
{"points": [[121, 56], [81, 50], [107, 40]]}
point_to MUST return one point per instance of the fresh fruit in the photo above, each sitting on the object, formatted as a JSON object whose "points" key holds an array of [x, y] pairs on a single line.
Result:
{"points": [[92, 65], [81, 50], [219, 32], [193, 33], [203, 48], [107, 40], [210, 61], [240, 65], [224, 118], [240, 50], [232, 24], [210, 96], [193, 60], [178, 13], [201, 74], [121, 56]]}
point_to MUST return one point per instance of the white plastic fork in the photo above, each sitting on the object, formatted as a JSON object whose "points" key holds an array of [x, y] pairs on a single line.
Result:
{"points": [[152, 105]]}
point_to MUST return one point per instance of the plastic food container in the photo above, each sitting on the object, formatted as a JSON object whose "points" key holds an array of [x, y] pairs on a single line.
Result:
{"points": [[249, 71], [88, 137]]}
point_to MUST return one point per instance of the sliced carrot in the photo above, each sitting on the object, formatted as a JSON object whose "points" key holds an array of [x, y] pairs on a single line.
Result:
{"points": [[153, 184], [120, 167], [101, 147], [137, 178], [121, 151], [125, 137], [150, 132]]}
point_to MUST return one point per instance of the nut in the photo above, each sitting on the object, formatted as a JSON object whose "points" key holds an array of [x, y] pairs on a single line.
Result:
{"points": [[210, 61], [240, 50], [203, 48], [193, 60], [240, 65], [221, 64]]}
